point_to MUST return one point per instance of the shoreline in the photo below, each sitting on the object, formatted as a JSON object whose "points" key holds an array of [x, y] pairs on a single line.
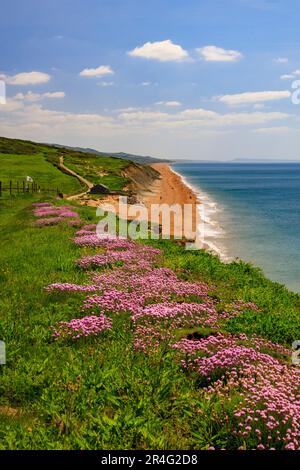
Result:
{"points": [[211, 227], [173, 188]]}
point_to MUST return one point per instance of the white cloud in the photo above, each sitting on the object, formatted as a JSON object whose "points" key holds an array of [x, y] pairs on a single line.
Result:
{"points": [[97, 72], [106, 84], [198, 113], [197, 118], [171, 104], [146, 83], [30, 96], [281, 60], [271, 130], [287, 76], [170, 133], [26, 78], [11, 105], [253, 97], [217, 54], [129, 109], [163, 51], [290, 76], [54, 94]]}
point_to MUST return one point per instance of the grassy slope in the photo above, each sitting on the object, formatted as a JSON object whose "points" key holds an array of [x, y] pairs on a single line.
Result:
{"points": [[17, 167], [104, 170], [19, 158], [100, 393]]}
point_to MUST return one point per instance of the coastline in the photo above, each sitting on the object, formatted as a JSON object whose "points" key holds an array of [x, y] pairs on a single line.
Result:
{"points": [[172, 188]]}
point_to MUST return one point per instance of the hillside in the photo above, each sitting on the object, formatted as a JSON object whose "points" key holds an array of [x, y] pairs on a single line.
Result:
{"points": [[20, 158], [142, 159]]}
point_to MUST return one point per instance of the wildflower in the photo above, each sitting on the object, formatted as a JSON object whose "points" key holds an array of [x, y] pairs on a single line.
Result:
{"points": [[82, 327]]}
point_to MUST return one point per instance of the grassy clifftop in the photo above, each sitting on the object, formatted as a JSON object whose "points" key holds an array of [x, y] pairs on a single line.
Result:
{"points": [[20, 158]]}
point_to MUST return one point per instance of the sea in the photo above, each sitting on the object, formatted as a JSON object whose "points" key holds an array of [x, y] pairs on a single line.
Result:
{"points": [[252, 212]]}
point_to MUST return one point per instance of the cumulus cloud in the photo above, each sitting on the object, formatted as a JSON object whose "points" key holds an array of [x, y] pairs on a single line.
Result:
{"points": [[287, 76], [163, 51], [97, 72], [171, 104], [30, 96], [218, 54], [26, 78], [54, 94], [253, 97]]}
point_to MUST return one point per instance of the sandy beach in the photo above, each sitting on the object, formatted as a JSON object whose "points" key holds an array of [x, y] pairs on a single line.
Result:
{"points": [[170, 189]]}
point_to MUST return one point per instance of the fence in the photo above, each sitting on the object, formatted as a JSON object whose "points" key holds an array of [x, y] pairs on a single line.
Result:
{"points": [[25, 187]]}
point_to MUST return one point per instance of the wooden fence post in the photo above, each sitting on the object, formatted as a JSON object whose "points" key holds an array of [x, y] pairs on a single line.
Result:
{"points": [[10, 187], [18, 189]]}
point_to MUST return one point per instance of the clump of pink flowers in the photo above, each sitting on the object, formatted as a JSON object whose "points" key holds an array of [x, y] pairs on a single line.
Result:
{"points": [[139, 256], [114, 301], [104, 241], [268, 413], [82, 327], [43, 222], [67, 287], [48, 214], [157, 323], [164, 283]]}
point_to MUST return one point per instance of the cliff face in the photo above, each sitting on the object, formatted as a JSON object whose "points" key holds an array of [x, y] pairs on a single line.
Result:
{"points": [[140, 177]]}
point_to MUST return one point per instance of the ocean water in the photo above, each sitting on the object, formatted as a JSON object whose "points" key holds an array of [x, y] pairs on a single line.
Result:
{"points": [[253, 213]]}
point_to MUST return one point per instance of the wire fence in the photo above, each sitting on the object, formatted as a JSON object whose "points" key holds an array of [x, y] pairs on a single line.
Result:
{"points": [[24, 187]]}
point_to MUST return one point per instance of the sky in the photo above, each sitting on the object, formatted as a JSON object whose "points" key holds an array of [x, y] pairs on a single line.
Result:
{"points": [[180, 79]]}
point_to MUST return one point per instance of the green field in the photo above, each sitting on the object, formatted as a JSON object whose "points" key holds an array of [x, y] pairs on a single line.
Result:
{"points": [[17, 167], [19, 159]]}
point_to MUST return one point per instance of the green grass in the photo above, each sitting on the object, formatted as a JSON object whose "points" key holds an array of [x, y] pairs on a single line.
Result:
{"points": [[16, 167], [19, 158], [99, 393], [104, 170]]}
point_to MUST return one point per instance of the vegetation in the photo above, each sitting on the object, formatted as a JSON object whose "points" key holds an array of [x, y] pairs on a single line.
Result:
{"points": [[105, 170], [21, 158], [100, 392], [17, 167]]}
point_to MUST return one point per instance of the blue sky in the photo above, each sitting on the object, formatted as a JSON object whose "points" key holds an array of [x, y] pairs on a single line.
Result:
{"points": [[179, 79]]}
